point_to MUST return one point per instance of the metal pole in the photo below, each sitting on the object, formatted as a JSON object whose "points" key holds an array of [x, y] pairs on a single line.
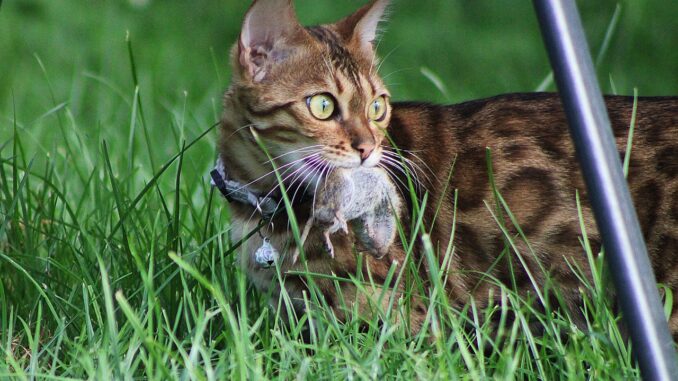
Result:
{"points": [[607, 190]]}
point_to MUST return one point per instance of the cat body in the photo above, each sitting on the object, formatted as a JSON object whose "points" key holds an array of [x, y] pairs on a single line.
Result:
{"points": [[535, 171], [336, 112]]}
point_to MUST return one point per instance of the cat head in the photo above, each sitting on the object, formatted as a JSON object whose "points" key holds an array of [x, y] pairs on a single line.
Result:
{"points": [[311, 94]]}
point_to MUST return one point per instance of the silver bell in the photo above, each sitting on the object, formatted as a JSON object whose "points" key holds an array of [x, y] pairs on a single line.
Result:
{"points": [[266, 255]]}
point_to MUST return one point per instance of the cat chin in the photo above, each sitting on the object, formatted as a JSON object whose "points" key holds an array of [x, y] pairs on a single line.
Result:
{"points": [[371, 162]]}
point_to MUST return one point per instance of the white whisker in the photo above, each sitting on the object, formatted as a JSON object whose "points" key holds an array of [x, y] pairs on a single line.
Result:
{"points": [[412, 165], [384, 77], [302, 149], [284, 175], [413, 154], [287, 165], [384, 58], [238, 129], [312, 172], [406, 170], [393, 177], [327, 167]]}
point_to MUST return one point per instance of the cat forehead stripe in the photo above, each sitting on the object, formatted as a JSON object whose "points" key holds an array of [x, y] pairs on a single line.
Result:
{"points": [[269, 110], [339, 55]]}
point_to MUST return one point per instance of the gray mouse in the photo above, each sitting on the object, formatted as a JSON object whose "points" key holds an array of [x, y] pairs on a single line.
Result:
{"points": [[366, 199]]}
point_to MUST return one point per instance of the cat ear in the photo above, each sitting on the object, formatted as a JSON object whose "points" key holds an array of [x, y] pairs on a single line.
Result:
{"points": [[361, 27], [267, 36]]}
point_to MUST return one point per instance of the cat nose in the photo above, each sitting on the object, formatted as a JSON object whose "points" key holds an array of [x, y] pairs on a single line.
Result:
{"points": [[364, 148]]}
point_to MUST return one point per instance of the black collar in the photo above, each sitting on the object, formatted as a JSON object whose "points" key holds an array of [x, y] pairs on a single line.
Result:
{"points": [[234, 191], [237, 192]]}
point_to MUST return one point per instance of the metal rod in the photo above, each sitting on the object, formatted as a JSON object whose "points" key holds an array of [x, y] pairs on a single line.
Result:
{"points": [[608, 193]]}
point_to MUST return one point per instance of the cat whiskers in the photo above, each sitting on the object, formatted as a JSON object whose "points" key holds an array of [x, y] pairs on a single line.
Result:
{"points": [[382, 59], [405, 166], [239, 129], [314, 164], [328, 63], [284, 176], [394, 177], [296, 174], [398, 153], [315, 169], [299, 150], [385, 77], [404, 184], [287, 167], [326, 170], [311, 167]]}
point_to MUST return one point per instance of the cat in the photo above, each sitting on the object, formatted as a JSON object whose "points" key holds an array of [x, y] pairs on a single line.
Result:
{"points": [[313, 98]]}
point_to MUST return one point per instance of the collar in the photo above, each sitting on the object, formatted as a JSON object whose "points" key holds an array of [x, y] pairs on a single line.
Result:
{"points": [[234, 191]]}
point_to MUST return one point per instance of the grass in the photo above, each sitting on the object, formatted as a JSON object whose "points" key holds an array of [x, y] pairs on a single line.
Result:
{"points": [[115, 257]]}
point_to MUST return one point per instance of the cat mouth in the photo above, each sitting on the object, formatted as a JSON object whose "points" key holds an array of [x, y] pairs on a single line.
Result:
{"points": [[355, 162]]}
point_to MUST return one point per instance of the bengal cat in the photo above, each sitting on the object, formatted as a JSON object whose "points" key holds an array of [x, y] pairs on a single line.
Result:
{"points": [[313, 98]]}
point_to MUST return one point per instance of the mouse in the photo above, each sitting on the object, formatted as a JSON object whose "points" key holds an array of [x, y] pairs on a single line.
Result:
{"points": [[364, 199]]}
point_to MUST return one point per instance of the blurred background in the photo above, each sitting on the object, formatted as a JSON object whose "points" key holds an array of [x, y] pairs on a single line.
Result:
{"points": [[476, 48], [69, 62]]}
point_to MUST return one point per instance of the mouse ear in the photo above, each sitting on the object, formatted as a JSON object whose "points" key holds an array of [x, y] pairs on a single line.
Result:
{"points": [[361, 27], [269, 33]]}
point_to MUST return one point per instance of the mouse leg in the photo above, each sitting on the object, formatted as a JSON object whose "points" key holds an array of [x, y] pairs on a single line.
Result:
{"points": [[304, 236], [339, 223], [328, 243]]}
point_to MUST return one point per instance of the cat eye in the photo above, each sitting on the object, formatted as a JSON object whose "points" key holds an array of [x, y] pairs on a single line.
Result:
{"points": [[377, 110], [321, 106]]}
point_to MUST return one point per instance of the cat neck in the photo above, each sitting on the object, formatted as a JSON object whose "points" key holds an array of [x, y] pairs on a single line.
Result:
{"points": [[245, 163], [247, 166]]}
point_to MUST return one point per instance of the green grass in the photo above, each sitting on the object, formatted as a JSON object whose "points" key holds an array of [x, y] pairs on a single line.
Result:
{"points": [[115, 257]]}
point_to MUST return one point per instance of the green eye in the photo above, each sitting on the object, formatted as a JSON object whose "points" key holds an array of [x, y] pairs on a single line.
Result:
{"points": [[377, 109], [321, 106]]}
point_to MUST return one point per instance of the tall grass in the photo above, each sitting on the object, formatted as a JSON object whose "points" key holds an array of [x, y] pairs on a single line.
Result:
{"points": [[115, 254]]}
